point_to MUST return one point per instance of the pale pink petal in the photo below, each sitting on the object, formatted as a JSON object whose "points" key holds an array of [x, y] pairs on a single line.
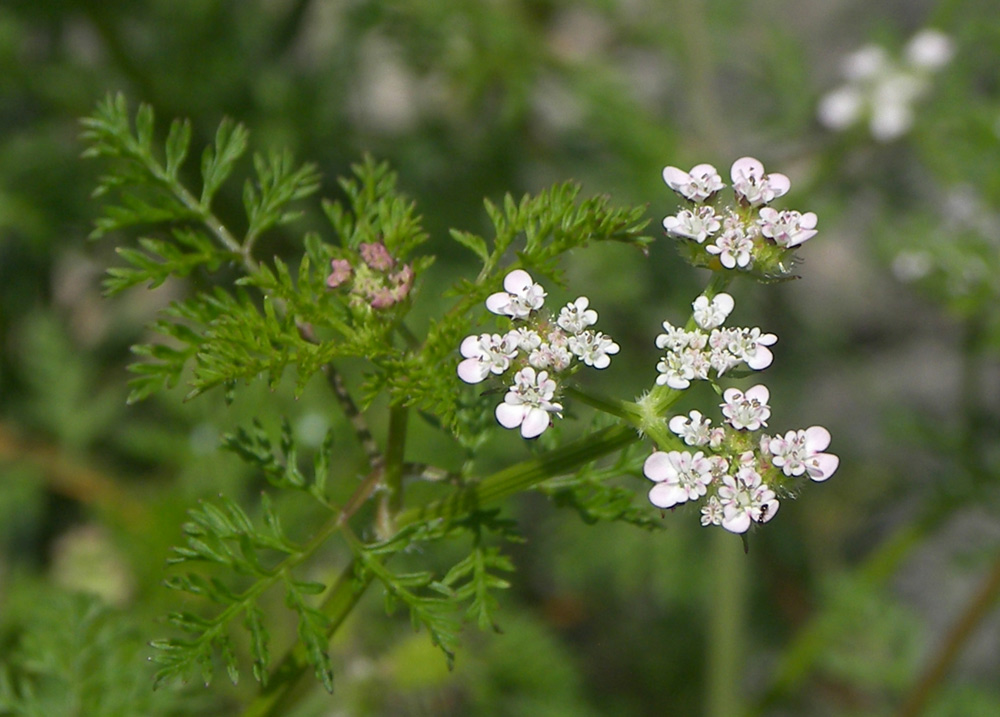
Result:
{"points": [[535, 423], [657, 467], [736, 521], [817, 439], [510, 415], [779, 183], [822, 466], [746, 167], [473, 370], [674, 177], [470, 346], [498, 302], [702, 170], [666, 495], [761, 359], [517, 281]]}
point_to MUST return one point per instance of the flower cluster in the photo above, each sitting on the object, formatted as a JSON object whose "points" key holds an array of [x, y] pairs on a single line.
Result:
{"points": [[375, 281], [739, 476], [739, 473], [537, 349], [708, 348], [883, 90], [748, 235]]}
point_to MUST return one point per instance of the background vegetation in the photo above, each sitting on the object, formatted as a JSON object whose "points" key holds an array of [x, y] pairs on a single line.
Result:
{"points": [[874, 593]]}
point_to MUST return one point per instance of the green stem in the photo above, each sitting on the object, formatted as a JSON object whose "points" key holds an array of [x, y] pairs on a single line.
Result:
{"points": [[281, 691], [726, 623], [287, 683], [625, 410], [523, 476], [391, 497]]}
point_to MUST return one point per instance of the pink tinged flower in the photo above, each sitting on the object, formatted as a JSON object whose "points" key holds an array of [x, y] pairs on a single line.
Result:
{"points": [[753, 185], [527, 339], [744, 500], [679, 477], [697, 185], [594, 349], [801, 452], [341, 273], [528, 403], [575, 316], [709, 314], [734, 249], [787, 228], [376, 256], [693, 428], [522, 296], [550, 356], [697, 224], [746, 411], [486, 354]]}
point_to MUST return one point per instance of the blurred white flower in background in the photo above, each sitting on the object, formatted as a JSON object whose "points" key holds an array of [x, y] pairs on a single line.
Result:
{"points": [[883, 90]]}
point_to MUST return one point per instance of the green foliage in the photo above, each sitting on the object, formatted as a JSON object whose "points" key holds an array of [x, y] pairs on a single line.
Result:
{"points": [[82, 657], [282, 470], [224, 536], [552, 223], [592, 493]]}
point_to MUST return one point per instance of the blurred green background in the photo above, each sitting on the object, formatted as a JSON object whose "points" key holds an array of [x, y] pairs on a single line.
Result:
{"points": [[873, 594]]}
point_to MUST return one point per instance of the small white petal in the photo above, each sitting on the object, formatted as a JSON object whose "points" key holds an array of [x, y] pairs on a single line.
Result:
{"points": [[509, 416], [517, 281], [535, 423], [472, 370]]}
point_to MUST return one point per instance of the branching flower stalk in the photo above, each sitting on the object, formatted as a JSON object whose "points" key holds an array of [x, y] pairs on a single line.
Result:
{"points": [[350, 298]]}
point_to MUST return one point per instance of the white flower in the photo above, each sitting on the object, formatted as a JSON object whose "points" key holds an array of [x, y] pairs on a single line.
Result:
{"points": [[734, 248], [594, 349], [841, 108], [575, 316], [551, 356], [697, 224], [711, 512], [866, 63], [697, 185], [528, 403], [486, 354], [676, 369], [679, 477], [750, 346], [929, 49], [788, 228], [884, 89], [799, 452], [522, 296], [527, 339], [748, 410], [745, 499], [708, 315], [675, 338], [750, 182], [693, 428]]}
